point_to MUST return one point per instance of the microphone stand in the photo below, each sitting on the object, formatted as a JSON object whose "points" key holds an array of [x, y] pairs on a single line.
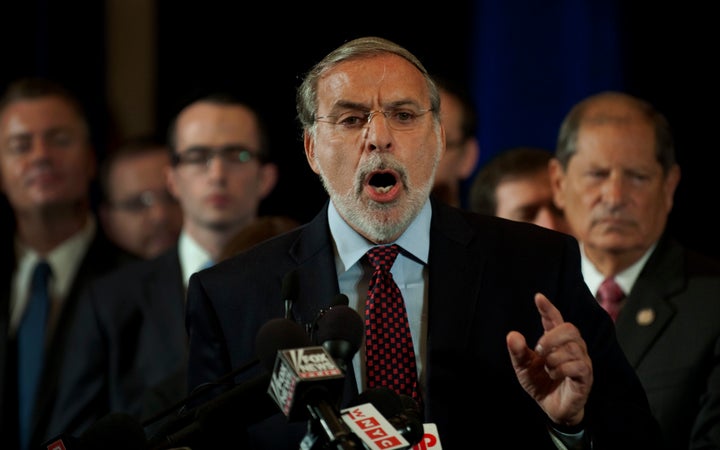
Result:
{"points": [[198, 391]]}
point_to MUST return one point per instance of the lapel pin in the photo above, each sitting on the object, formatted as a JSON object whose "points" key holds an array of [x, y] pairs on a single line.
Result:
{"points": [[645, 317]]}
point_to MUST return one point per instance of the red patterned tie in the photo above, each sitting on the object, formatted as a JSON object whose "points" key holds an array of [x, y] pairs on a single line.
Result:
{"points": [[389, 348], [610, 295]]}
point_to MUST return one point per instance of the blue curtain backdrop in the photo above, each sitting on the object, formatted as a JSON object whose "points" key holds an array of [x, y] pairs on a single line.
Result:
{"points": [[532, 60]]}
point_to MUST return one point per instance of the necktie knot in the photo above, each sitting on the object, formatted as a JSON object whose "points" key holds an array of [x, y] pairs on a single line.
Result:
{"points": [[41, 275], [382, 258], [610, 295]]}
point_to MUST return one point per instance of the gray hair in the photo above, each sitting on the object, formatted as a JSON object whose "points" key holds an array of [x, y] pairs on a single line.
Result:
{"points": [[364, 47], [569, 129]]}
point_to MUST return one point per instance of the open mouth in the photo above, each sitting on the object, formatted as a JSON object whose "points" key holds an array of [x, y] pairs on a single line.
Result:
{"points": [[382, 182]]}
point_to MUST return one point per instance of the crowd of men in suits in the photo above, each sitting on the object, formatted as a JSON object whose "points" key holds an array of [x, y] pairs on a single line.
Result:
{"points": [[126, 314]]}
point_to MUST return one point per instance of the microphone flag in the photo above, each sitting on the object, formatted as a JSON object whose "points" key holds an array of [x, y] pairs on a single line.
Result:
{"points": [[298, 373]]}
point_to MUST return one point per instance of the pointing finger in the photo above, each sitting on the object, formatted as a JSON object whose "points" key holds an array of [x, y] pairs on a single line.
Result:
{"points": [[549, 314]]}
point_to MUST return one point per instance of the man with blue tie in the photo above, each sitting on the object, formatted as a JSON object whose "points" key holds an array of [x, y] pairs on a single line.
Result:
{"points": [[47, 164]]}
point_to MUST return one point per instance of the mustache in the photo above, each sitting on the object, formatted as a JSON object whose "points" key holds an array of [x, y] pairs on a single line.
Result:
{"points": [[611, 215], [377, 162]]}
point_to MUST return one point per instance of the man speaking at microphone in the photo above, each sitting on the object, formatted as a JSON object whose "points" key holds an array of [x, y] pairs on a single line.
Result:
{"points": [[507, 346]]}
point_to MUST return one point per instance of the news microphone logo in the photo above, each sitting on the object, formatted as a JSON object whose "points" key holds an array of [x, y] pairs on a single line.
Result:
{"points": [[298, 369], [373, 429], [56, 445], [430, 440]]}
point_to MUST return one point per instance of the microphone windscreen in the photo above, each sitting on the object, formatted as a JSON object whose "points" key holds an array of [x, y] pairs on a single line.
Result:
{"points": [[410, 406], [115, 431], [400, 410], [341, 322], [279, 334], [340, 299], [384, 399]]}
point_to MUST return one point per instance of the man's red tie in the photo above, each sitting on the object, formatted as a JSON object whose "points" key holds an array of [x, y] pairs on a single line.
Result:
{"points": [[610, 296], [390, 356]]}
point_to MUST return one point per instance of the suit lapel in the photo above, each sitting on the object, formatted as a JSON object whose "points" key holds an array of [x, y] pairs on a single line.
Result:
{"points": [[164, 297], [647, 311], [315, 263], [314, 257], [454, 273]]}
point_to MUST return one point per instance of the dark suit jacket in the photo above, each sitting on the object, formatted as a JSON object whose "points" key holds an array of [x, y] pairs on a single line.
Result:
{"points": [[669, 329], [130, 335], [483, 274], [102, 257]]}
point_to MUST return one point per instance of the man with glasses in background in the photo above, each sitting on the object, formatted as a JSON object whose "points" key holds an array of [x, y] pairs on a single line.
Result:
{"points": [[131, 325], [137, 210]]}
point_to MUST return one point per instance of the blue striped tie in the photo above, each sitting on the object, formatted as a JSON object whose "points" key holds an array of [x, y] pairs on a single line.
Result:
{"points": [[31, 346]]}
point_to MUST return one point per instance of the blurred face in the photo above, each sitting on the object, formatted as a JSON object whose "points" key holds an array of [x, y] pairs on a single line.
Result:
{"points": [[141, 215], [614, 194], [529, 198], [378, 174], [461, 155], [46, 162], [222, 192]]}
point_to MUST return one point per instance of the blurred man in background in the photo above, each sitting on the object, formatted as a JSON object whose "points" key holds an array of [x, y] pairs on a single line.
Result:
{"points": [[131, 337], [462, 146], [515, 184], [47, 165], [137, 210], [615, 175]]}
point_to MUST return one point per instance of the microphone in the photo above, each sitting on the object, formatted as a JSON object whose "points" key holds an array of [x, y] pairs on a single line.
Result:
{"points": [[340, 299], [307, 383], [197, 392], [302, 377], [400, 410], [289, 291], [115, 431], [245, 404], [311, 327], [340, 330], [278, 334]]}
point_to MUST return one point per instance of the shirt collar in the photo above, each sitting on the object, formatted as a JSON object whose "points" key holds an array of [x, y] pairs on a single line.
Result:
{"points": [[64, 260], [625, 279], [192, 256], [351, 246]]}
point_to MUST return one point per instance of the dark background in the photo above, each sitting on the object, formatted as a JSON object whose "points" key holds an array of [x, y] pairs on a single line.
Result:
{"points": [[666, 54]]}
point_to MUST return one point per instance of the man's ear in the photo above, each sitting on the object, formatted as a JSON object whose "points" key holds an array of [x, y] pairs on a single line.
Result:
{"points": [[555, 171], [309, 144]]}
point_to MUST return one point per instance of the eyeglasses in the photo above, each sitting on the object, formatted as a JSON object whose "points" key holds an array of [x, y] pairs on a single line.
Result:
{"points": [[145, 200], [201, 157], [399, 119]]}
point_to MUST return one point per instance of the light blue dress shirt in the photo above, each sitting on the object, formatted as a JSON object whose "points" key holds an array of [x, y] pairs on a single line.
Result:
{"points": [[409, 272]]}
